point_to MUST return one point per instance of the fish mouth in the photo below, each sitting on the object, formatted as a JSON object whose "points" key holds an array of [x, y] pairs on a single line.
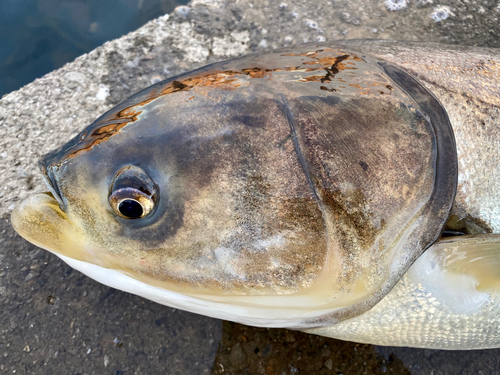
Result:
{"points": [[51, 182], [40, 220]]}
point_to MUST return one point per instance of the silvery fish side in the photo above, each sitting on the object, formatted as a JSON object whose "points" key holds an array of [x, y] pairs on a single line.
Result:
{"points": [[449, 299], [291, 189]]}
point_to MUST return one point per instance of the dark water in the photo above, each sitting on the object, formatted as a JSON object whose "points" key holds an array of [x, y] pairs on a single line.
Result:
{"points": [[38, 36]]}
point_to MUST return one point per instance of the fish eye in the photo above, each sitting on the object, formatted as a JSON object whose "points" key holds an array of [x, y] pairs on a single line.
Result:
{"points": [[133, 194], [131, 203], [131, 208]]}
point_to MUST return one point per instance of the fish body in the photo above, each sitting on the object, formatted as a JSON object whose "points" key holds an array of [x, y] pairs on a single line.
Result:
{"points": [[291, 189]]}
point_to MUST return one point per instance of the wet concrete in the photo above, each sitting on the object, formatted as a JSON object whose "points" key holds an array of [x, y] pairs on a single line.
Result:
{"points": [[54, 320]]}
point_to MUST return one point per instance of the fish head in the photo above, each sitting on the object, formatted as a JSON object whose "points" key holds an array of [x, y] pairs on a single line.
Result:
{"points": [[257, 190]]}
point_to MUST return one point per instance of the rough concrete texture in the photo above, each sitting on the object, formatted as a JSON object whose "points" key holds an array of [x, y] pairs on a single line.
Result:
{"points": [[54, 320]]}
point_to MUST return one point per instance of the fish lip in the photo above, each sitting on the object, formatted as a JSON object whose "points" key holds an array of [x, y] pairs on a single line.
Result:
{"points": [[51, 182]]}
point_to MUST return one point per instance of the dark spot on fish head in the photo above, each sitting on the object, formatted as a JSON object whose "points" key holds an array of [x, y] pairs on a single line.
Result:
{"points": [[178, 86], [363, 165]]}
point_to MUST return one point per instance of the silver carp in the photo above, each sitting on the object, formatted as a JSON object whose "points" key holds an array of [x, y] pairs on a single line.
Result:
{"points": [[296, 189]]}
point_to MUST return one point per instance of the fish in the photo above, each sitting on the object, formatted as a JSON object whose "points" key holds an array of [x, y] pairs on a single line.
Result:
{"points": [[306, 188]]}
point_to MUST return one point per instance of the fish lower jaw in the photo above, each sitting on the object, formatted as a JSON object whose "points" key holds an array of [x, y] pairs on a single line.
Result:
{"points": [[280, 317]]}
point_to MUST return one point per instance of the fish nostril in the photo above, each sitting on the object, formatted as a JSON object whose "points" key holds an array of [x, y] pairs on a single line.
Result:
{"points": [[50, 181]]}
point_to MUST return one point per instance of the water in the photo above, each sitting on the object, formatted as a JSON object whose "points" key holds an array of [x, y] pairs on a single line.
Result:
{"points": [[38, 36]]}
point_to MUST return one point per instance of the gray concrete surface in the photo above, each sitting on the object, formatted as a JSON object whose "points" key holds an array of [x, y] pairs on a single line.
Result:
{"points": [[56, 321]]}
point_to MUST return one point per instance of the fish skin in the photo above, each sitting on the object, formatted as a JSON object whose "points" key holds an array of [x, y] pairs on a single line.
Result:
{"points": [[287, 111], [451, 97], [466, 80]]}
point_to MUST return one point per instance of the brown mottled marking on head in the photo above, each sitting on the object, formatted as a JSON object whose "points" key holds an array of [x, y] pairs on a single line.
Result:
{"points": [[324, 88], [313, 79], [100, 135], [332, 66], [219, 79], [224, 79], [362, 90], [103, 130], [257, 72], [178, 86]]}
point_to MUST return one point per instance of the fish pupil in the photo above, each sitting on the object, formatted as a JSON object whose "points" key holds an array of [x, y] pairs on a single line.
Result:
{"points": [[131, 208]]}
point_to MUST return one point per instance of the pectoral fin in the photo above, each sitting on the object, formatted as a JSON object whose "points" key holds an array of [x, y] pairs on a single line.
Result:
{"points": [[449, 299], [461, 272]]}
